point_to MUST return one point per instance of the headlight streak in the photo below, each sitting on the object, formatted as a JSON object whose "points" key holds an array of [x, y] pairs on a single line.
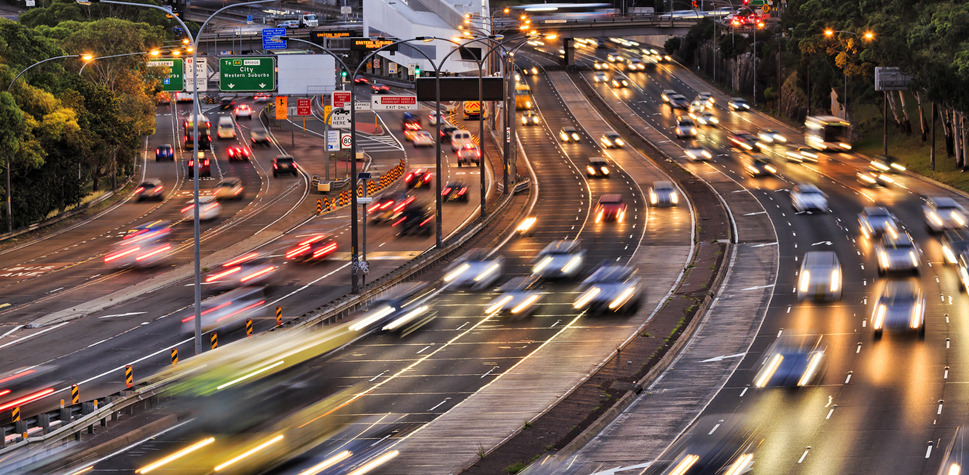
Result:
{"points": [[740, 465], [804, 284], [916, 320], [176, 455], [367, 467], [454, 274], [812, 368], [949, 256], [247, 376], [499, 304], [621, 300], [406, 318], [879, 319], [315, 469], [542, 264], [769, 370], [490, 270], [573, 263], [835, 280], [586, 297], [883, 259], [371, 319], [685, 464], [524, 305], [250, 452]]}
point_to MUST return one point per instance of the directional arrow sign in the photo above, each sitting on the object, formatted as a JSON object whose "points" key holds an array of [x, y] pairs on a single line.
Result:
{"points": [[245, 74]]}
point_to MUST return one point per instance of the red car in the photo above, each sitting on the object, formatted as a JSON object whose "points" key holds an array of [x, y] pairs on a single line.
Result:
{"points": [[361, 80], [418, 177], [379, 88], [314, 248], [610, 207], [238, 153]]}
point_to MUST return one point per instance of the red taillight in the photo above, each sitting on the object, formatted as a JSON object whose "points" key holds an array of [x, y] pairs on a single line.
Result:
{"points": [[157, 151], [325, 250], [275, 166], [206, 163], [294, 164], [387, 204], [446, 191], [242, 310], [153, 253], [185, 209], [401, 220], [26, 399], [427, 220], [15, 376], [299, 250], [240, 259], [408, 177], [139, 189], [463, 191], [121, 254], [427, 177], [373, 208]]}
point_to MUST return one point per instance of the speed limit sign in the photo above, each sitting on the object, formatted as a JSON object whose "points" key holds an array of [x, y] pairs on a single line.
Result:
{"points": [[345, 140]]}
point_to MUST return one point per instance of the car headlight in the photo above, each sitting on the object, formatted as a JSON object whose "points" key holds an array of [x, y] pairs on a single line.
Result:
{"points": [[652, 197], [915, 320], [454, 274], [499, 304], [883, 259], [957, 217], [674, 198], [619, 142], [879, 165], [768, 372], [745, 106], [835, 280], [935, 218], [528, 104], [623, 297], [866, 178], [897, 166], [542, 264], [585, 298], [573, 264], [804, 283], [949, 256], [575, 136], [714, 120], [605, 171], [913, 258], [811, 369], [770, 168], [592, 171], [879, 319], [779, 138], [707, 154], [845, 146]]}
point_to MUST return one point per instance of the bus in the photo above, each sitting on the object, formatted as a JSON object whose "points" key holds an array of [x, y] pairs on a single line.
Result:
{"points": [[523, 97], [205, 137], [825, 132]]}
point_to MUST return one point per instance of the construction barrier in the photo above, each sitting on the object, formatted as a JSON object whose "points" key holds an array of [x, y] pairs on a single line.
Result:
{"points": [[15, 414], [279, 315], [215, 340], [319, 206], [174, 356], [248, 327], [75, 394], [129, 376]]}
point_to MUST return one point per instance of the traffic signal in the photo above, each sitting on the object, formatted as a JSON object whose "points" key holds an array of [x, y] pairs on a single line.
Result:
{"points": [[746, 3], [417, 71]]}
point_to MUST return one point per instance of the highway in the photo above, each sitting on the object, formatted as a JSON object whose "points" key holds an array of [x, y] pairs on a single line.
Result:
{"points": [[878, 405], [135, 314]]}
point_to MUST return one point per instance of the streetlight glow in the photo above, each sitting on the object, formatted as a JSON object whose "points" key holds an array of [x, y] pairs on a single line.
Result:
{"points": [[155, 52], [828, 32], [869, 35], [87, 57]]}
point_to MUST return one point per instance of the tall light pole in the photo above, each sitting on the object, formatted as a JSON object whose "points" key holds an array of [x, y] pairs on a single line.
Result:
{"points": [[759, 26], [196, 115], [868, 36]]}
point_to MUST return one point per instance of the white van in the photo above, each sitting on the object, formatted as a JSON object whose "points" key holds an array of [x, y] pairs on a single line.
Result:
{"points": [[459, 138], [227, 129], [309, 20]]}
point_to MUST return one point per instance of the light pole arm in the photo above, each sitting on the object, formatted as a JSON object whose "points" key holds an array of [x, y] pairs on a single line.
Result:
{"points": [[37, 63]]}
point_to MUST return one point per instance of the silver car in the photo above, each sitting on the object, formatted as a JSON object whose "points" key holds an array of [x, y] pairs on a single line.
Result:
{"points": [[820, 276], [475, 270], [808, 198], [900, 307], [663, 193], [519, 297], [685, 127], [876, 221], [612, 289], [228, 310], [560, 259], [943, 213], [698, 154], [897, 253], [792, 361], [738, 104]]}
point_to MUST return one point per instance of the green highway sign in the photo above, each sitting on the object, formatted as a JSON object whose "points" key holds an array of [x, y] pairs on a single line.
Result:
{"points": [[175, 81], [247, 74]]}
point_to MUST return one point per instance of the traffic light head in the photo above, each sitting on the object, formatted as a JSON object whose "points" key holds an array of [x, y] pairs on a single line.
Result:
{"points": [[417, 70], [343, 73]]}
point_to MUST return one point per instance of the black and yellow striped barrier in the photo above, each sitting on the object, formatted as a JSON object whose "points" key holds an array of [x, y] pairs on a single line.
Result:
{"points": [[129, 376], [174, 356], [215, 340], [248, 327], [279, 315], [319, 206], [75, 394], [15, 414]]}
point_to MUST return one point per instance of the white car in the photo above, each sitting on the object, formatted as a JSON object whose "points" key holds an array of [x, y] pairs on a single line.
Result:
{"points": [[792, 361], [897, 252], [698, 154], [432, 119], [707, 97], [663, 193], [697, 105], [475, 270], [705, 118], [229, 188], [876, 221], [560, 259], [610, 289], [423, 138], [820, 276], [738, 104], [600, 76], [770, 136], [611, 140], [900, 307], [685, 128], [519, 297], [209, 209], [637, 64], [809, 198], [243, 110], [943, 213]]}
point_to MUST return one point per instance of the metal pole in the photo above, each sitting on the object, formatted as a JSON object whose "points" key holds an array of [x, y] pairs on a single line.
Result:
{"points": [[481, 138], [844, 110], [439, 241], [885, 123], [932, 149], [508, 76], [755, 65], [326, 141], [354, 257]]}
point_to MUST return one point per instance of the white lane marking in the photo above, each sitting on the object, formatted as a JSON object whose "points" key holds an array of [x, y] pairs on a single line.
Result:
{"points": [[18, 327], [848, 378], [379, 375], [31, 336], [765, 244], [723, 357], [98, 343], [489, 372], [743, 392], [714, 429], [758, 287], [121, 451], [928, 451], [439, 404], [829, 414], [422, 349], [123, 314], [462, 325], [803, 455]]}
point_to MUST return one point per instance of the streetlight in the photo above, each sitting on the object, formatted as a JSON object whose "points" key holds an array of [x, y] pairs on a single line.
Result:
{"points": [[760, 25], [88, 58], [21, 73], [868, 37], [196, 111]]}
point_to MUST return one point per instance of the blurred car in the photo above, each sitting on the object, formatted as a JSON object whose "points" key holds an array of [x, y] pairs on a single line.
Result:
{"points": [[389, 205], [150, 189], [943, 213], [745, 141], [24, 385], [569, 134], [559, 259], [237, 152], [249, 269], [446, 132], [899, 307], [738, 104], [226, 128], [377, 88], [963, 270], [389, 306], [599, 65], [897, 252], [956, 455], [873, 179], [619, 82], [526, 227], [820, 277], [876, 221], [163, 99], [358, 79], [312, 249], [469, 155], [415, 220], [806, 198], [209, 209], [667, 95], [636, 64], [801, 154], [663, 193], [423, 138], [707, 98], [243, 110], [614, 58], [530, 117], [611, 140], [164, 152], [610, 207], [260, 137], [791, 361], [770, 136], [261, 97], [679, 101], [705, 117], [146, 245], [284, 164], [685, 128], [610, 288], [288, 24], [418, 177], [600, 76], [716, 445], [697, 105], [455, 191], [227, 311], [410, 121], [205, 167], [597, 167], [884, 163], [477, 270], [698, 154], [230, 188], [758, 165], [460, 138], [432, 118], [954, 242], [520, 296], [226, 103]]}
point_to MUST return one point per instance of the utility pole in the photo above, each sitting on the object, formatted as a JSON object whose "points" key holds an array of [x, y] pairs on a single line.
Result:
{"points": [[932, 147]]}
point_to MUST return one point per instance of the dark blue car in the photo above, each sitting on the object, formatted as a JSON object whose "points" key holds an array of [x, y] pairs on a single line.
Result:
{"points": [[164, 152]]}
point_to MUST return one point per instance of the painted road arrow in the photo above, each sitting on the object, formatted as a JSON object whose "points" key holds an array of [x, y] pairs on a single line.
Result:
{"points": [[721, 358], [826, 243]]}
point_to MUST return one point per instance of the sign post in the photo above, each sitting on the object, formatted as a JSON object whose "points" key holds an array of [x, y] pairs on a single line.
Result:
{"points": [[247, 74], [340, 119]]}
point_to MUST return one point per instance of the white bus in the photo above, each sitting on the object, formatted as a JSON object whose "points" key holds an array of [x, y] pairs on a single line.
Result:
{"points": [[826, 132]]}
